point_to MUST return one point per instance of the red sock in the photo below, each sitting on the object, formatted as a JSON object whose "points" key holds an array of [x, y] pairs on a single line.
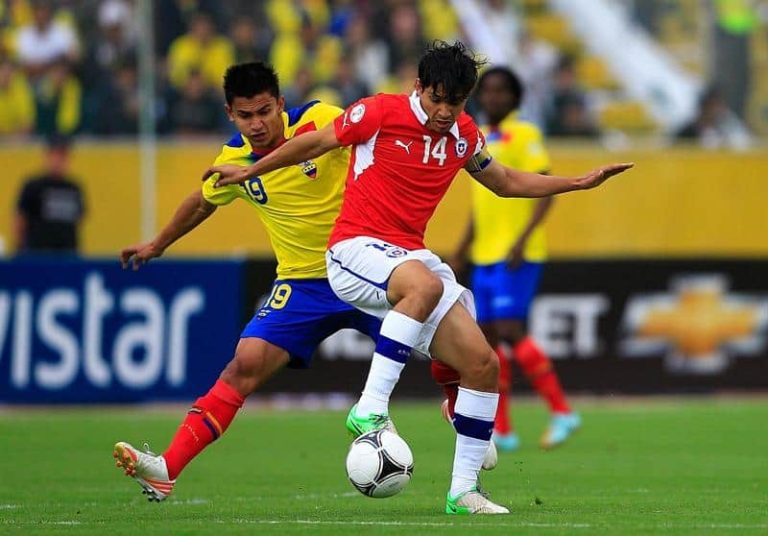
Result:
{"points": [[538, 369], [209, 417], [503, 423], [448, 378]]}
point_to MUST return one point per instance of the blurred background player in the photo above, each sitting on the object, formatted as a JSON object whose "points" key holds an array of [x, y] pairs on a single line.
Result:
{"points": [[50, 206], [302, 310], [506, 244]]}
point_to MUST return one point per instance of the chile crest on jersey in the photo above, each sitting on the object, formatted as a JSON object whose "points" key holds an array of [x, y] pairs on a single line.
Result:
{"points": [[461, 147]]}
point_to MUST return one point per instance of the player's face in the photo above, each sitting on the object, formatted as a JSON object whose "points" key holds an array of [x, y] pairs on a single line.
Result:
{"points": [[441, 113], [259, 119], [496, 100]]}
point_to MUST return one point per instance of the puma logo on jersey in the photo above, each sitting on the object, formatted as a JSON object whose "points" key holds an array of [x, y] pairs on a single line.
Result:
{"points": [[404, 146]]}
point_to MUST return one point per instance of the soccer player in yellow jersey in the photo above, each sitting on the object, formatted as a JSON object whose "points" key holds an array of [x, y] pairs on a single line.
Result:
{"points": [[298, 205], [506, 244]]}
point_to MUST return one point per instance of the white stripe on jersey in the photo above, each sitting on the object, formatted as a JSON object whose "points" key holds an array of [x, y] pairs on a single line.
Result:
{"points": [[364, 155]]}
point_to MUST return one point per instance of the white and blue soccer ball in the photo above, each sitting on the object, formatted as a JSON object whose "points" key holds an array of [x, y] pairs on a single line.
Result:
{"points": [[379, 464]]}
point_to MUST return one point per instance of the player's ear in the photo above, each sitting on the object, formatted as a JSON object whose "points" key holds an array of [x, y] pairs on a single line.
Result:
{"points": [[228, 109], [280, 104], [418, 87]]}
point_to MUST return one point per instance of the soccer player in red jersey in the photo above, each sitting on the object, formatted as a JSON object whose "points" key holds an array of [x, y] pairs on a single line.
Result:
{"points": [[507, 247], [406, 151]]}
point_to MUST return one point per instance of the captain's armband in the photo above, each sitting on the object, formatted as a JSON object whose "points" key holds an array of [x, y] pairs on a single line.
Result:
{"points": [[478, 162]]}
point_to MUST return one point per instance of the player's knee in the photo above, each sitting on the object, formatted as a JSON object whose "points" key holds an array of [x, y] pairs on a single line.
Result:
{"points": [[244, 372], [419, 297], [491, 367], [429, 291], [483, 370]]}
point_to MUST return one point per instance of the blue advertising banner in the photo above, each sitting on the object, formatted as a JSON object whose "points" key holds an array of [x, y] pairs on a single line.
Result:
{"points": [[87, 331]]}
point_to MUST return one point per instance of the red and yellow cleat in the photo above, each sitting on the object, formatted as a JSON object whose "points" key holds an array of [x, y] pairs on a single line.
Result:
{"points": [[147, 468]]}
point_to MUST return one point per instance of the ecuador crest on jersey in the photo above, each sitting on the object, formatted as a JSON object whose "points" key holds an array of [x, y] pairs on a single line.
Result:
{"points": [[297, 204], [309, 168]]}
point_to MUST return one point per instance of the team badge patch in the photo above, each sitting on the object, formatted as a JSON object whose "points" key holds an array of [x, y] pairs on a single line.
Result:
{"points": [[309, 168], [396, 252], [357, 113], [461, 147]]}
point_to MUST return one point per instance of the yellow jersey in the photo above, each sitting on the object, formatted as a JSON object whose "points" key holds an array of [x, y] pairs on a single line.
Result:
{"points": [[187, 54], [17, 105], [297, 204], [497, 221]]}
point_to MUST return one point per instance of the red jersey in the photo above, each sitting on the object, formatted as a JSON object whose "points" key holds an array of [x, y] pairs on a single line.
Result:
{"points": [[399, 169]]}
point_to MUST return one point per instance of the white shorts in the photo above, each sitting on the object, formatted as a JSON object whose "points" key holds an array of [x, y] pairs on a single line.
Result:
{"points": [[359, 269]]}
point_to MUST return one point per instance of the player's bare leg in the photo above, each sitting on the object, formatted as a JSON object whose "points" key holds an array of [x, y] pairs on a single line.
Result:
{"points": [[461, 344], [254, 363], [415, 292]]}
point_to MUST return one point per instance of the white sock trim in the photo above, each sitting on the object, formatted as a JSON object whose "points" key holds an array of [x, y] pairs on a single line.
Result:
{"points": [[467, 461], [476, 404], [401, 328], [382, 378]]}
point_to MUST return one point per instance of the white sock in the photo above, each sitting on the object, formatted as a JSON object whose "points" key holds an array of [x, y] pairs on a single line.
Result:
{"points": [[399, 333], [473, 421]]}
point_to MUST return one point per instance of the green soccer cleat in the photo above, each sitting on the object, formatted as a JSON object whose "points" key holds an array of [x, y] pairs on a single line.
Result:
{"points": [[472, 502], [358, 426]]}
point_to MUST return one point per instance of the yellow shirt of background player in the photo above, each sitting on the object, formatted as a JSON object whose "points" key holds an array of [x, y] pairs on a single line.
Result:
{"points": [[497, 221], [297, 204]]}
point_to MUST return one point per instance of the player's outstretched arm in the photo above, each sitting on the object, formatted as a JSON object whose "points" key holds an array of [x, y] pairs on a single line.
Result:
{"points": [[508, 182], [191, 213], [296, 150]]}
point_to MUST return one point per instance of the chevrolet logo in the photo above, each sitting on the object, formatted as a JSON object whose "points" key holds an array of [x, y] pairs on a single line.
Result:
{"points": [[698, 326]]}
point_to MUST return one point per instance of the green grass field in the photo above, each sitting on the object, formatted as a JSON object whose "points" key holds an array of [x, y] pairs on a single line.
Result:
{"points": [[637, 467]]}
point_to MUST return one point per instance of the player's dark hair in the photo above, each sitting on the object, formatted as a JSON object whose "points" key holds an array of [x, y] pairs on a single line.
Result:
{"points": [[249, 79], [451, 68], [513, 83]]}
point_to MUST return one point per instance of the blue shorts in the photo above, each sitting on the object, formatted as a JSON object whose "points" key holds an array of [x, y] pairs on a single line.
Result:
{"points": [[300, 313], [503, 293]]}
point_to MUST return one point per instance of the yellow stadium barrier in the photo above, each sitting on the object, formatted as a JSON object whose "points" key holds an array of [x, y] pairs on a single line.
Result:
{"points": [[677, 202]]}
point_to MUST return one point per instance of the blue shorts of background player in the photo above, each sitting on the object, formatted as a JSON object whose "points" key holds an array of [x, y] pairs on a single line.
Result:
{"points": [[504, 293], [300, 313]]}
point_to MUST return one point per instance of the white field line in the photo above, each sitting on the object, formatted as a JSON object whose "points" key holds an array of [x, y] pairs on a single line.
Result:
{"points": [[189, 502], [393, 523], [511, 524]]}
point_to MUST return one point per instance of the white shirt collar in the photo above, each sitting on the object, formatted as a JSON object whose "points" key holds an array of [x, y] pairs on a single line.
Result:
{"points": [[422, 116]]}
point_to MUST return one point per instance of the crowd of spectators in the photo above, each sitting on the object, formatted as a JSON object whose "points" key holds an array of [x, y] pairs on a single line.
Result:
{"points": [[71, 67]]}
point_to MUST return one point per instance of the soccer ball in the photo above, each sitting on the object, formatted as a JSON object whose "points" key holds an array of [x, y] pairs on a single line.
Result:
{"points": [[379, 464]]}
